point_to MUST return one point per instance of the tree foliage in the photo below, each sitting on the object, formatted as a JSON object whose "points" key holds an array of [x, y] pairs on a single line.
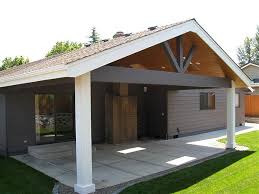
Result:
{"points": [[9, 62], [256, 45], [249, 51], [63, 47], [246, 53], [94, 38]]}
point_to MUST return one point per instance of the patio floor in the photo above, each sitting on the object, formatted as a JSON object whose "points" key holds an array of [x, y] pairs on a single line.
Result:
{"points": [[115, 164]]}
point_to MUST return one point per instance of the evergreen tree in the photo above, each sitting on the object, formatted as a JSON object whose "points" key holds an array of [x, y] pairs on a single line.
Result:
{"points": [[246, 53], [256, 45], [94, 38]]}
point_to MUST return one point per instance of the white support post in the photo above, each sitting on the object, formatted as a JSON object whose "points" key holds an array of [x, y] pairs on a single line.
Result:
{"points": [[84, 183], [231, 116]]}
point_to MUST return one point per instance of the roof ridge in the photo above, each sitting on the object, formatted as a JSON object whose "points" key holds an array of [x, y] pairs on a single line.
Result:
{"points": [[77, 54]]}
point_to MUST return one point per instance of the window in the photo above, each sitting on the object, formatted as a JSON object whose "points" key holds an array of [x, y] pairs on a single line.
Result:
{"points": [[237, 100], [207, 100]]}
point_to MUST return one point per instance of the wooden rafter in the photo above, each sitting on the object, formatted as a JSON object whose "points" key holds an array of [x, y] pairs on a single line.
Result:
{"points": [[171, 56], [188, 59], [178, 62], [179, 46]]}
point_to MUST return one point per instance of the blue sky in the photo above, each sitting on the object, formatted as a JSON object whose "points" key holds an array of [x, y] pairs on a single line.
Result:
{"points": [[31, 27]]}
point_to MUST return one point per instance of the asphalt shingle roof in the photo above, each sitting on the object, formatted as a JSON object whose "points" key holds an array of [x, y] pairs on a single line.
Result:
{"points": [[69, 57]]}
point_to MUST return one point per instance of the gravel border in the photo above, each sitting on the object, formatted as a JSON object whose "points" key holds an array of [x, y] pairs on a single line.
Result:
{"points": [[63, 189]]}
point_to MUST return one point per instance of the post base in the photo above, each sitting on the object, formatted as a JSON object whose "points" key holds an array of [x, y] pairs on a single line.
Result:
{"points": [[230, 146], [84, 189]]}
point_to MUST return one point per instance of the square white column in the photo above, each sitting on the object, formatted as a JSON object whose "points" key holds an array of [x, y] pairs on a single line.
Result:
{"points": [[84, 183], [231, 116]]}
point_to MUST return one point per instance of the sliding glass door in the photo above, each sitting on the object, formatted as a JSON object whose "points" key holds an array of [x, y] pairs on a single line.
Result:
{"points": [[64, 117], [44, 118], [54, 118]]}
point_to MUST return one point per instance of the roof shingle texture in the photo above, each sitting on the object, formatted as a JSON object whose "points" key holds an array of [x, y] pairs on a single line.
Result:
{"points": [[69, 57]]}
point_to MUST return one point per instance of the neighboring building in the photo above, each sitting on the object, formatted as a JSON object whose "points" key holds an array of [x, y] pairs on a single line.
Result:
{"points": [[162, 82], [252, 98]]}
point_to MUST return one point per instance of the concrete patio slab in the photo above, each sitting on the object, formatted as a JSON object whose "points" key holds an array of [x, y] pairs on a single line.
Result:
{"points": [[109, 176], [138, 168], [113, 165]]}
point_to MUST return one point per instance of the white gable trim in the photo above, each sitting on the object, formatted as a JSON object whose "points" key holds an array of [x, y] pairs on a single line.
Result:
{"points": [[93, 62], [249, 64], [100, 59], [222, 54], [90, 63]]}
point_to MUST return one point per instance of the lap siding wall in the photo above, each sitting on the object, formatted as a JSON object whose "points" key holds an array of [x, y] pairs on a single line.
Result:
{"points": [[184, 111]]}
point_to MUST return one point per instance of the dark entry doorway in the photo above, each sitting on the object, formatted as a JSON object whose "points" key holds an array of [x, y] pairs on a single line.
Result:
{"points": [[152, 116]]}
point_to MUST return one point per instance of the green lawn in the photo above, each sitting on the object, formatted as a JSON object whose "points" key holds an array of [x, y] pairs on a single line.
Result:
{"points": [[17, 178], [236, 172]]}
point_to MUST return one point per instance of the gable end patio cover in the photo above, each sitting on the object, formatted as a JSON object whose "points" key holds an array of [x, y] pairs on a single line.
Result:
{"points": [[86, 65]]}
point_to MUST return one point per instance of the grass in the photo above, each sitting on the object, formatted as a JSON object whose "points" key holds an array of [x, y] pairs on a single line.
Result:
{"points": [[236, 172], [17, 178]]}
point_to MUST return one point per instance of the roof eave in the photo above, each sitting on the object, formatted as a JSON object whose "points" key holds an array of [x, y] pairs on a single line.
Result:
{"points": [[35, 76]]}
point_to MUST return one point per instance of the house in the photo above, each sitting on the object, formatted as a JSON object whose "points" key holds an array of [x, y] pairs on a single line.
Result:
{"points": [[160, 83], [252, 98]]}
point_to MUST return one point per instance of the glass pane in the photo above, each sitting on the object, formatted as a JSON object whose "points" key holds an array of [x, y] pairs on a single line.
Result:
{"points": [[64, 117], [211, 100], [203, 101], [207, 100], [44, 118]]}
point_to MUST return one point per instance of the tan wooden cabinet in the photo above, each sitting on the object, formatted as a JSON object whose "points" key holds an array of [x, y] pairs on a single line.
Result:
{"points": [[120, 118]]}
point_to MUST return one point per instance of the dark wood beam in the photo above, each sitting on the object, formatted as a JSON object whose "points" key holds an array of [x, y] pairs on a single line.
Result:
{"points": [[170, 55], [141, 76], [179, 46], [188, 58]]}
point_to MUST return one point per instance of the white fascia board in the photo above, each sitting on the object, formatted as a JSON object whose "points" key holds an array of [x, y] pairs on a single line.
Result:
{"points": [[35, 76], [245, 66], [98, 60], [251, 89], [88, 64], [221, 53]]}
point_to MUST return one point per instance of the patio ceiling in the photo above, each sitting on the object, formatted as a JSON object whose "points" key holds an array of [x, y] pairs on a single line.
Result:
{"points": [[203, 62]]}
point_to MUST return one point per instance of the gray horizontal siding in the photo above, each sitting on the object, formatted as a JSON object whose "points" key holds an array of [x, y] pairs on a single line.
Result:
{"points": [[184, 111], [252, 72]]}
